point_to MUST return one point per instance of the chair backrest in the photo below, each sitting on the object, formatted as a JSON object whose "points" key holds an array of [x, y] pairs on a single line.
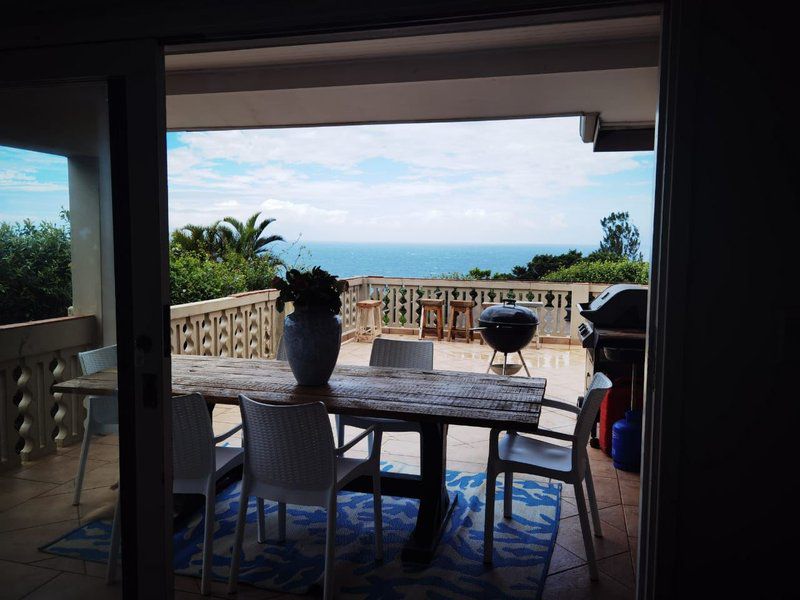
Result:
{"points": [[289, 447], [93, 361], [192, 438], [591, 405], [402, 354], [280, 354]]}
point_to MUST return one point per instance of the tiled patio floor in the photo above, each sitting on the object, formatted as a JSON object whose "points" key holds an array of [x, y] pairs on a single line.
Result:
{"points": [[36, 507]]}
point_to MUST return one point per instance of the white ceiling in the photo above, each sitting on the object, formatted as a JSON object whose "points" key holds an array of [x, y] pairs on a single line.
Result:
{"points": [[604, 66]]}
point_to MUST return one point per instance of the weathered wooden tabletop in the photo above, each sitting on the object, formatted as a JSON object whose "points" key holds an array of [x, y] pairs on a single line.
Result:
{"points": [[440, 396]]}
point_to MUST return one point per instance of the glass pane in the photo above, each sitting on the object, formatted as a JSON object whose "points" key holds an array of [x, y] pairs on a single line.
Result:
{"points": [[56, 302]]}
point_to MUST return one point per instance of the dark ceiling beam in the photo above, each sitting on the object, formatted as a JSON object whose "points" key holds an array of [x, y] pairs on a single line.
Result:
{"points": [[433, 67]]}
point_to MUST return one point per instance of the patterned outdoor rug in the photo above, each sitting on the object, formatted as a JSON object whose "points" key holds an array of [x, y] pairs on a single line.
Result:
{"points": [[522, 546]]}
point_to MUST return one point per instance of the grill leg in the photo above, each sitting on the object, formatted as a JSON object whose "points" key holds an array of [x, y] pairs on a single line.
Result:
{"points": [[491, 361], [524, 364]]}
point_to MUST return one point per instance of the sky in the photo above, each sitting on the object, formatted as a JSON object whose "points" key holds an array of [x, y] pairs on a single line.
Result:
{"points": [[514, 181]]}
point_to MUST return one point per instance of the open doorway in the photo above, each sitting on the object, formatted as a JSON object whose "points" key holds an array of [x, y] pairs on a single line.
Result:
{"points": [[295, 89]]}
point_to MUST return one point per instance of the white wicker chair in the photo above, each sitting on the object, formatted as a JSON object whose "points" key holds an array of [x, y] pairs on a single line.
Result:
{"points": [[290, 458], [102, 414], [197, 464], [515, 453], [390, 353]]}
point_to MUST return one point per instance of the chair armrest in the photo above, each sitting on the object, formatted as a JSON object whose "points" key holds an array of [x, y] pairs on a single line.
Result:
{"points": [[557, 404], [555, 435], [342, 449], [224, 436]]}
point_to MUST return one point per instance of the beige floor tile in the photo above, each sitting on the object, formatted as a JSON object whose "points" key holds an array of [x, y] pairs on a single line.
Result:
{"points": [[614, 516], [18, 580], [576, 585], [38, 511], [629, 490], [15, 491], [619, 567], [563, 560], [103, 476], [614, 541], [606, 489], [22, 544], [105, 452], [62, 563], [58, 468], [69, 586], [111, 439], [632, 520]]}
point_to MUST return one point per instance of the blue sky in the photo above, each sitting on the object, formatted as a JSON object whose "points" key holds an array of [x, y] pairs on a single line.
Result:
{"points": [[519, 181]]}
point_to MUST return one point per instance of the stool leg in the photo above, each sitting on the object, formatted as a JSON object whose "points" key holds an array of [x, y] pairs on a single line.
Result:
{"points": [[451, 332], [440, 322], [378, 321], [422, 323], [358, 325]]}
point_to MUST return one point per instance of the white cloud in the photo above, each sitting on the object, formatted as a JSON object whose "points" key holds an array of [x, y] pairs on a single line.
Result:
{"points": [[493, 181], [25, 180]]}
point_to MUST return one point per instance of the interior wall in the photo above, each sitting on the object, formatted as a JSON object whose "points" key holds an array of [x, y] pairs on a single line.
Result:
{"points": [[723, 361]]}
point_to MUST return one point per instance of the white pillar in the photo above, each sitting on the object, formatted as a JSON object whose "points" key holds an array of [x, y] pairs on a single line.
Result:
{"points": [[92, 244]]}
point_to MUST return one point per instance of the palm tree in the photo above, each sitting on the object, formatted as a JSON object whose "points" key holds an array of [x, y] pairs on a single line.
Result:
{"points": [[247, 239], [207, 239]]}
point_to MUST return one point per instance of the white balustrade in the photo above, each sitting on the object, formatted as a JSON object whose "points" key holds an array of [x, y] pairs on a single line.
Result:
{"points": [[34, 421], [33, 356]]}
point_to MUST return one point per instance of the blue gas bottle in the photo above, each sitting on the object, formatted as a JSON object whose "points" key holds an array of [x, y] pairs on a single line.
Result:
{"points": [[626, 441]]}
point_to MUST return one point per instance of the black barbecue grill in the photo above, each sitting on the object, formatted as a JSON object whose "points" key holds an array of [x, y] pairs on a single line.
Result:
{"points": [[614, 335], [508, 328]]}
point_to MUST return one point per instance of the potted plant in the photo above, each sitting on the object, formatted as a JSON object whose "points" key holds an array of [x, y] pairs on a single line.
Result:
{"points": [[312, 334]]}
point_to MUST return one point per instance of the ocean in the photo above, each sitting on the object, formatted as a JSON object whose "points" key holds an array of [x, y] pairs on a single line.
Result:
{"points": [[345, 259]]}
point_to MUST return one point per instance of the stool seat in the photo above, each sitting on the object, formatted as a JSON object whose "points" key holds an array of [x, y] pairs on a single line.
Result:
{"points": [[435, 307], [369, 321], [432, 302], [462, 303], [368, 303]]}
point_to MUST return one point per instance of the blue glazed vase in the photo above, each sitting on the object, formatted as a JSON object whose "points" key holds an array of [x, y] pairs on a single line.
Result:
{"points": [[312, 338]]}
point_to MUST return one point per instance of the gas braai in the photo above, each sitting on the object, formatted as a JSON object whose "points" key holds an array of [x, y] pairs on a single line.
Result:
{"points": [[614, 338]]}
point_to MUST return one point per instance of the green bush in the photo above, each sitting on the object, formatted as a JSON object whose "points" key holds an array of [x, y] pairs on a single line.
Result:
{"points": [[603, 271], [194, 276], [35, 271]]}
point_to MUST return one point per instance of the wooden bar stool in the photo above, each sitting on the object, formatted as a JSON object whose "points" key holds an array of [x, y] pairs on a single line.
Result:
{"points": [[436, 308], [369, 324], [458, 307]]}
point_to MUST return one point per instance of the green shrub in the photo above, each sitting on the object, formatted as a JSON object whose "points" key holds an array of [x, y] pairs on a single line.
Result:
{"points": [[194, 276], [35, 271], [603, 271]]}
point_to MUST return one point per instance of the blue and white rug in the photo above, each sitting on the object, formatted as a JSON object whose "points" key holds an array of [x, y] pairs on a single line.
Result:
{"points": [[523, 546]]}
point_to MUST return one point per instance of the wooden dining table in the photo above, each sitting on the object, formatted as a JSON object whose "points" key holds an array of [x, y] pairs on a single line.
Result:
{"points": [[435, 399]]}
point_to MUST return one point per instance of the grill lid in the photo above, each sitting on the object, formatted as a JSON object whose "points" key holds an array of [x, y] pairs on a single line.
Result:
{"points": [[508, 313]]}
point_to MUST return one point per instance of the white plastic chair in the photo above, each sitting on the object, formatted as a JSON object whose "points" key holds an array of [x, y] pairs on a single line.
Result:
{"points": [[280, 353], [515, 453], [102, 414], [197, 464], [390, 353], [290, 458]]}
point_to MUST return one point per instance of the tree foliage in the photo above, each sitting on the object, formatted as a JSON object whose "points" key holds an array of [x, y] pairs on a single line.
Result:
{"points": [[35, 271], [195, 276], [603, 271], [620, 236], [227, 236], [542, 264]]}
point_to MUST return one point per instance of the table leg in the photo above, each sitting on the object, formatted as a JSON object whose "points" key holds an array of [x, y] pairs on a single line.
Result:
{"points": [[435, 505]]}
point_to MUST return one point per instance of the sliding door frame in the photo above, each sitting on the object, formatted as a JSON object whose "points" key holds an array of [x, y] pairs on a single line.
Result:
{"points": [[134, 73]]}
